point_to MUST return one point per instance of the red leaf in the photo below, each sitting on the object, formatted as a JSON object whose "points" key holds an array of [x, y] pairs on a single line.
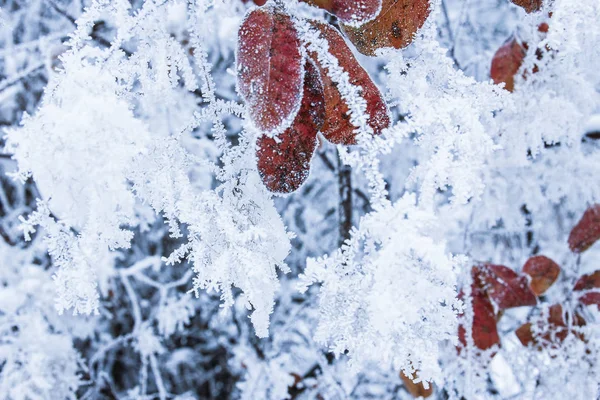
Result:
{"points": [[529, 5], [587, 230], [588, 281], [353, 12], [484, 330], [395, 26], [543, 272], [505, 286], [506, 63], [284, 164], [338, 129], [269, 63]]}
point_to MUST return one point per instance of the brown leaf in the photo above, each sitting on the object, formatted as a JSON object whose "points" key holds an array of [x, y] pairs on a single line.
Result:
{"points": [[506, 63], [525, 334], [543, 272], [395, 26], [354, 12], [415, 389], [529, 5], [284, 164], [587, 230], [504, 286], [269, 63], [337, 128]]}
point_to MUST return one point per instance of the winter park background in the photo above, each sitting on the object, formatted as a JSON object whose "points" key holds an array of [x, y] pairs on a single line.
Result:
{"points": [[303, 199]]}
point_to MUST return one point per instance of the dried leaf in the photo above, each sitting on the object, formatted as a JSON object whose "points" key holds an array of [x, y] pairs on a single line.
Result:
{"points": [[395, 26], [284, 164], [529, 5], [415, 389], [505, 286], [269, 63], [353, 12], [543, 272], [506, 63], [587, 230], [337, 128]]}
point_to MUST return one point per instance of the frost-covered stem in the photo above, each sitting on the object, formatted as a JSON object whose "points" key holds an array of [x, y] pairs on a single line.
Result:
{"points": [[162, 392], [140, 265], [344, 172], [137, 314]]}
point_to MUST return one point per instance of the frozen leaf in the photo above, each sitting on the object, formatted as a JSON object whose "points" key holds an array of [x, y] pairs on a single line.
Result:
{"points": [[529, 5], [284, 163], [543, 272], [415, 389], [587, 230], [588, 281], [506, 63], [395, 26], [484, 329], [352, 12], [504, 286], [337, 128], [269, 63]]}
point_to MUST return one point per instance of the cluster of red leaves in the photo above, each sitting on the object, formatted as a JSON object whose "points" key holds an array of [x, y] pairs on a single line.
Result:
{"points": [[496, 288], [291, 96]]}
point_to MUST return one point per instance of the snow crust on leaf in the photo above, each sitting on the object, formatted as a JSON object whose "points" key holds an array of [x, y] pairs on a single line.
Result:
{"points": [[270, 68], [395, 26], [284, 162], [338, 128]]}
